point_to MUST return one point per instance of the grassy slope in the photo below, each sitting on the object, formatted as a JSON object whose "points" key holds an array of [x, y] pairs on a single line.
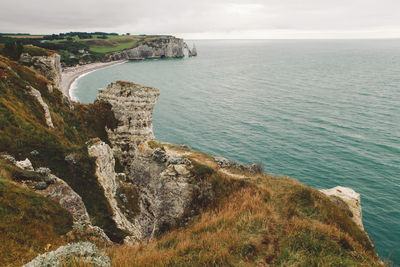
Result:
{"points": [[28, 221], [23, 129], [253, 219], [111, 44], [260, 220]]}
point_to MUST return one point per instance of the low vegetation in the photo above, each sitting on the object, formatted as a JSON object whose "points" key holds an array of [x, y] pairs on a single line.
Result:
{"points": [[258, 220], [258, 224], [246, 219], [29, 223], [77, 47], [62, 149]]}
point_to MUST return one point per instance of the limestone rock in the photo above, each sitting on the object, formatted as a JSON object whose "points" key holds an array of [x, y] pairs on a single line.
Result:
{"points": [[351, 198], [36, 94], [193, 51], [132, 105], [82, 252], [8, 158], [24, 164], [62, 193], [163, 47], [165, 193], [41, 185], [49, 66], [105, 164]]}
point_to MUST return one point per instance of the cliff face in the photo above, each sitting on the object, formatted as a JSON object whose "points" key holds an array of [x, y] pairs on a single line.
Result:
{"points": [[132, 105], [155, 177], [49, 66], [161, 47], [188, 203]]}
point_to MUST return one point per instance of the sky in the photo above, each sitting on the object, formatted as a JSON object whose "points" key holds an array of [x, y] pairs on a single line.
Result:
{"points": [[208, 19]]}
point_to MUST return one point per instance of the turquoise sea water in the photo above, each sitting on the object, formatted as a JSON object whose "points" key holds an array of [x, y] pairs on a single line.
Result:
{"points": [[326, 112]]}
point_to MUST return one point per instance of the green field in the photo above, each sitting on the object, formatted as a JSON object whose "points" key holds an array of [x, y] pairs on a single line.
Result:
{"points": [[99, 45], [106, 48]]}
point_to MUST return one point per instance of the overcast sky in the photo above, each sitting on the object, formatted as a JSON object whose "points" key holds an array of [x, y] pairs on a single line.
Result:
{"points": [[208, 18]]}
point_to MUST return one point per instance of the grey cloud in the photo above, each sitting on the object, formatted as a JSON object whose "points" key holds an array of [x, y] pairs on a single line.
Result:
{"points": [[178, 16]]}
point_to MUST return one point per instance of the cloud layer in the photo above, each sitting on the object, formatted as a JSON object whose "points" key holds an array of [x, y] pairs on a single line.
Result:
{"points": [[208, 18]]}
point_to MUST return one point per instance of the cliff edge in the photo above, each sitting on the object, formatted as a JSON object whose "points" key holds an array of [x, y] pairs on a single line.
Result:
{"points": [[99, 175]]}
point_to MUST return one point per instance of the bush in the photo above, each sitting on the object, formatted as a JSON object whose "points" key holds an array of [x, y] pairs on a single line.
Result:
{"points": [[13, 50]]}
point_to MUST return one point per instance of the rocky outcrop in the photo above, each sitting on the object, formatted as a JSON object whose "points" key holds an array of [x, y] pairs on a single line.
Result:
{"points": [[166, 192], [350, 197], [191, 52], [159, 47], [132, 105], [107, 178], [59, 191], [77, 253], [36, 94], [23, 164], [62, 193], [49, 66], [163, 181], [56, 189]]}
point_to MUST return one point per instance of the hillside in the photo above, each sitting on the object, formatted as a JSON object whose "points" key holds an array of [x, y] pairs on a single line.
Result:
{"points": [[82, 48], [158, 203]]}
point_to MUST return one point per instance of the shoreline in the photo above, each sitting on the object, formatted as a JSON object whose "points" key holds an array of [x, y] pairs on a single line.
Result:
{"points": [[72, 74]]}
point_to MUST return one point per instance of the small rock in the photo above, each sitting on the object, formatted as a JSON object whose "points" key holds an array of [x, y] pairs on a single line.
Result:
{"points": [[181, 170], [84, 252], [221, 161], [71, 159], [351, 198], [184, 161], [43, 171], [8, 158], [24, 164], [159, 155], [185, 147], [34, 153], [50, 179], [41, 186]]}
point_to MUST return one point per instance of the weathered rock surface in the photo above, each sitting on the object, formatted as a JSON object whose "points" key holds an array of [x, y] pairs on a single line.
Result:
{"points": [[36, 94], [165, 193], [62, 193], [24, 164], [191, 52], [163, 180], [225, 163], [81, 252], [350, 197], [59, 191], [106, 176], [49, 66], [132, 105], [161, 47]]}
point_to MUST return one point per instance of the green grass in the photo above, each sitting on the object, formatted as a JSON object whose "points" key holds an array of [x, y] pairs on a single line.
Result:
{"points": [[113, 48], [23, 129], [113, 43], [28, 222]]}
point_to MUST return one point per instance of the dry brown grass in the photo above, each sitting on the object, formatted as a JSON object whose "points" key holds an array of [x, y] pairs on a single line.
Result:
{"points": [[256, 225]]}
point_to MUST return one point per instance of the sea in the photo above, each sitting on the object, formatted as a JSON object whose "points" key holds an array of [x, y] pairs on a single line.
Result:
{"points": [[325, 112]]}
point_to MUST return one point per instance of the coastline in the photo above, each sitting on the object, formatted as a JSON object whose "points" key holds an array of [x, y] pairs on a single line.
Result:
{"points": [[72, 74]]}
